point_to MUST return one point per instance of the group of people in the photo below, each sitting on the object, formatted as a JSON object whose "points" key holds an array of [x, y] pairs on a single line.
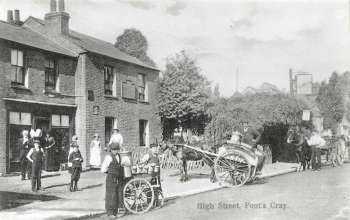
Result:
{"points": [[309, 145], [27, 142]]}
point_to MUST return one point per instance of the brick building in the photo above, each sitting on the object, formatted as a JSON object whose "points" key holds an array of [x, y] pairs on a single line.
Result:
{"points": [[69, 83]]}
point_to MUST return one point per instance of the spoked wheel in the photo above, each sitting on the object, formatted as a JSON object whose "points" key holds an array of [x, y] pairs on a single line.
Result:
{"points": [[232, 168], [138, 196]]}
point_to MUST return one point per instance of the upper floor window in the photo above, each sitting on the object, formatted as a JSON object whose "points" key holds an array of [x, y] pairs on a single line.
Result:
{"points": [[51, 75], [18, 73], [109, 80], [142, 89]]}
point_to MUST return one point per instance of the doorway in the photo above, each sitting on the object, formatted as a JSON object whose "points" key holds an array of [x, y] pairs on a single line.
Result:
{"points": [[42, 123]]}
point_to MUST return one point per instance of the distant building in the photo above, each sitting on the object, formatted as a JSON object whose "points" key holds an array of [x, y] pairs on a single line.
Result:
{"points": [[66, 82], [266, 88]]}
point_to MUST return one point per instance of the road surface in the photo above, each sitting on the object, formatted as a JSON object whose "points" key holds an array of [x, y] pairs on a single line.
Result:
{"points": [[307, 195]]}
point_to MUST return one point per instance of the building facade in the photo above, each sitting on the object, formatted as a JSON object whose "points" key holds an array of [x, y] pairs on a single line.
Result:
{"points": [[68, 83]]}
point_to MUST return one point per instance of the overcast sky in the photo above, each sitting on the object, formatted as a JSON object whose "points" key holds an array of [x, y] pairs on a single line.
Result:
{"points": [[262, 39]]}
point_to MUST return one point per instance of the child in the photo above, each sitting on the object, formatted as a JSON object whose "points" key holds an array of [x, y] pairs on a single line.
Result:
{"points": [[113, 166], [75, 159], [152, 158], [36, 156]]}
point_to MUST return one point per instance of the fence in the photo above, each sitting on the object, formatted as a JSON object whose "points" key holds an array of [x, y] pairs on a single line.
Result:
{"points": [[169, 161]]}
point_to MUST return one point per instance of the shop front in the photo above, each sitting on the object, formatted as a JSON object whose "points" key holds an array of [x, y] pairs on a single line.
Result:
{"points": [[54, 119]]}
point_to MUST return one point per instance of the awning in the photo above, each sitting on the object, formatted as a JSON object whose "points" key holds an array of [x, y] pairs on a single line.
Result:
{"points": [[40, 103]]}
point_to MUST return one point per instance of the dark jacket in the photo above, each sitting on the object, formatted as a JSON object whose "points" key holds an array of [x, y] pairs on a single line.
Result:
{"points": [[72, 159]]}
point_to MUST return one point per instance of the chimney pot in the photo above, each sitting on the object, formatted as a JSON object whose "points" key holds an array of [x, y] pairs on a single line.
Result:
{"points": [[53, 5], [61, 5], [9, 16], [17, 17]]}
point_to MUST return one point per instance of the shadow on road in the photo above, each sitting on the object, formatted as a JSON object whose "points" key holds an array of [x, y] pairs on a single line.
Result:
{"points": [[12, 199], [92, 186]]}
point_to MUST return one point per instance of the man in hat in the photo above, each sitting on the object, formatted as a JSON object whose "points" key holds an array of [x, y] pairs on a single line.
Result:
{"points": [[116, 138], [113, 167], [36, 156]]}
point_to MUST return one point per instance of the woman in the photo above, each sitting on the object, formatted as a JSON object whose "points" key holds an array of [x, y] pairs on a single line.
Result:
{"points": [[95, 152], [49, 152]]}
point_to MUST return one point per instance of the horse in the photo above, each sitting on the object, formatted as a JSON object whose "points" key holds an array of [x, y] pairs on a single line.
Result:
{"points": [[184, 154], [302, 149]]}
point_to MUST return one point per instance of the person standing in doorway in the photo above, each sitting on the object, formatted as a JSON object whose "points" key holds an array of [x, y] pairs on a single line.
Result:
{"points": [[116, 139], [49, 152], [24, 146], [113, 167], [36, 156], [95, 152]]}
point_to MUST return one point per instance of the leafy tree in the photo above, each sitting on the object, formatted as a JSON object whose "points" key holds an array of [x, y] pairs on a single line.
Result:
{"points": [[134, 43], [330, 100], [183, 95]]}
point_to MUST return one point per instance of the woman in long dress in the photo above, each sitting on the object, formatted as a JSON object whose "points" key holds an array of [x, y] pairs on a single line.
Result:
{"points": [[95, 151]]}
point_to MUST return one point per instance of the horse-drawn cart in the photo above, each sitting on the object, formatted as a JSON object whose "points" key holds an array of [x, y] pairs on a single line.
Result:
{"points": [[233, 165]]}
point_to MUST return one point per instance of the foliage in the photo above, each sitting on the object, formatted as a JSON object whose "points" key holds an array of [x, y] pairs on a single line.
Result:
{"points": [[330, 100], [134, 43], [183, 94]]}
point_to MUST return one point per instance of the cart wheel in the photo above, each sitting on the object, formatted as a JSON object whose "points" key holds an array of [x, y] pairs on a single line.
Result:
{"points": [[232, 168], [160, 203], [138, 196]]}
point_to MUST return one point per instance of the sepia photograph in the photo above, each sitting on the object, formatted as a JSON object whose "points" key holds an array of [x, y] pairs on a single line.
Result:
{"points": [[175, 109]]}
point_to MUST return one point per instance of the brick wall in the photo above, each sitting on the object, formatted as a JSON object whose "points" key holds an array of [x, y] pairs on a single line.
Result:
{"points": [[36, 85], [128, 113]]}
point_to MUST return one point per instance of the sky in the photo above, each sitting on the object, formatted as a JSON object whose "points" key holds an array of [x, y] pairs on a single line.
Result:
{"points": [[259, 40]]}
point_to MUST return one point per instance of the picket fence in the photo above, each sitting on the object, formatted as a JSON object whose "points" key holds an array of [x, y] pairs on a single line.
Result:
{"points": [[169, 161]]}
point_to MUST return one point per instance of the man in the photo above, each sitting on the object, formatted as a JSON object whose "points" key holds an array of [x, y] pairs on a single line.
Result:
{"points": [[252, 137], [36, 156], [113, 167], [116, 138], [316, 142]]}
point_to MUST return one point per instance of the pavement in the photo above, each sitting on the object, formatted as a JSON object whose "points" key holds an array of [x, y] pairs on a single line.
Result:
{"points": [[56, 202]]}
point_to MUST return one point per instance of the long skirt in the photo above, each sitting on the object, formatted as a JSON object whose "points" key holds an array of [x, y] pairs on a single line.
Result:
{"points": [[114, 194]]}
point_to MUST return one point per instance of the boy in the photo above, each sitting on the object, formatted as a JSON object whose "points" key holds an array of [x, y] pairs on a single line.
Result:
{"points": [[36, 156], [75, 159], [113, 166], [152, 158]]}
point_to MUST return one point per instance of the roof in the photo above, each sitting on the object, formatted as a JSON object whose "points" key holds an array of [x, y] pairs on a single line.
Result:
{"points": [[25, 36], [94, 45], [101, 47]]}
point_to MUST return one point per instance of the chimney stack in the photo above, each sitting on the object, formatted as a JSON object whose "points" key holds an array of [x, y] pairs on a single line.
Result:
{"points": [[61, 5], [17, 17], [53, 6], [57, 21], [10, 16]]}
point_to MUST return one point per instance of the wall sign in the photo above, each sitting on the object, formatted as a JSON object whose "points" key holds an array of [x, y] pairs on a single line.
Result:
{"points": [[96, 110]]}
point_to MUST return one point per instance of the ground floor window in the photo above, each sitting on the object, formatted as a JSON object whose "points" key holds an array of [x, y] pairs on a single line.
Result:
{"points": [[18, 122], [143, 132]]}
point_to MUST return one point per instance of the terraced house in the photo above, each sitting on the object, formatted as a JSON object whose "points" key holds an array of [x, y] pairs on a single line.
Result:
{"points": [[66, 82]]}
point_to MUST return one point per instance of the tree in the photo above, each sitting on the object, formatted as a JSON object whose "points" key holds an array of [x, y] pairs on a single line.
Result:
{"points": [[183, 94], [134, 43], [330, 100]]}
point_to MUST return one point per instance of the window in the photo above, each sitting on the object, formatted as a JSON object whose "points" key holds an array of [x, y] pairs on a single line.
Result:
{"points": [[60, 121], [51, 75], [143, 132], [109, 79], [142, 87], [20, 118], [18, 73], [109, 124]]}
